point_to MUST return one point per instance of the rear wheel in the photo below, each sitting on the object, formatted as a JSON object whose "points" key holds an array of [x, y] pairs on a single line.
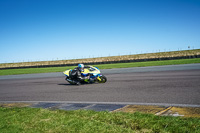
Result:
{"points": [[102, 79]]}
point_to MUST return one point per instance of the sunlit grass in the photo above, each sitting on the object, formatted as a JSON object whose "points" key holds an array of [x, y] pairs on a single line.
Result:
{"points": [[43, 120], [103, 66], [149, 63], [167, 55]]}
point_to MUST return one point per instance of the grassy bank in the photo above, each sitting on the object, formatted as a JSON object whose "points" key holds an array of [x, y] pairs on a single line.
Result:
{"points": [[104, 66], [172, 54], [42, 120]]}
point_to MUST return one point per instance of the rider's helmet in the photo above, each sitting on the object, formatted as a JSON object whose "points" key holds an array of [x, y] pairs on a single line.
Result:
{"points": [[81, 67]]}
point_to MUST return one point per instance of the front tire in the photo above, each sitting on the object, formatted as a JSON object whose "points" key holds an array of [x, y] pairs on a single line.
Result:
{"points": [[102, 79]]}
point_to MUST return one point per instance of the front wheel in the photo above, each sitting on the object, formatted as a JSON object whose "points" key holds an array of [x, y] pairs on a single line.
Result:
{"points": [[101, 79]]}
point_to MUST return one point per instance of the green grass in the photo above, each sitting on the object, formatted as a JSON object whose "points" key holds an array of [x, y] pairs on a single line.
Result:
{"points": [[104, 66], [184, 53], [149, 63], [81, 121]]}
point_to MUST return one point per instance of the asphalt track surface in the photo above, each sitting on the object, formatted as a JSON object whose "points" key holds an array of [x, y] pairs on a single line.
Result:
{"points": [[159, 85]]}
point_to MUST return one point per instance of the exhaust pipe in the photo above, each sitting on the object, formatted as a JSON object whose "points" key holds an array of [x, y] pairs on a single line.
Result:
{"points": [[70, 81]]}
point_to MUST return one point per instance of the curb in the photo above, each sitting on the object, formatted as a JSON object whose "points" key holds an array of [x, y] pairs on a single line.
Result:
{"points": [[152, 109]]}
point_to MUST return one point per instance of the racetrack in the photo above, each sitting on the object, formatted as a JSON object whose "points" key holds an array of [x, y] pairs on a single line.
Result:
{"points": [[175, 84]]}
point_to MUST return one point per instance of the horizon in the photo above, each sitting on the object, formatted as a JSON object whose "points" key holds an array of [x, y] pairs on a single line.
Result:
{"points": [[98, 57]]}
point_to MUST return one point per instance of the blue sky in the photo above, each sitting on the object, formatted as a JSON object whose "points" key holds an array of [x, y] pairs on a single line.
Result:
{"points": [[37, 30]]}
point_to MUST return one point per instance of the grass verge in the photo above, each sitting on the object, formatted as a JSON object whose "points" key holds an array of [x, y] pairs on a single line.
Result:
{"points": [[43, 120], [104, 66], [172, 54]]}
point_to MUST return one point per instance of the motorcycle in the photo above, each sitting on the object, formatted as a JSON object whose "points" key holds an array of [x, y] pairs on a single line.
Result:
{"points": [[93, 72]]}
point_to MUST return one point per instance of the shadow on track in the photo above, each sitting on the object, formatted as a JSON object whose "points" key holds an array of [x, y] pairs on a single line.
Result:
{"points": [[66, 84], [76, 85]]}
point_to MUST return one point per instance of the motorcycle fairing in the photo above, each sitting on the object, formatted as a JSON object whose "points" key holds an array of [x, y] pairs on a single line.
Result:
{"points": [[92, 70]]}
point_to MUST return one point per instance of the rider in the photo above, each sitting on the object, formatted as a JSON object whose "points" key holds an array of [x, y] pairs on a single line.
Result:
{"points": [[76, 74]]}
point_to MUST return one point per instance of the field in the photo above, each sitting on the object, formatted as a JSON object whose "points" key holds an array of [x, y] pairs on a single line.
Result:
{"points": [[87, 121], [103, 66], [174, 54]]}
